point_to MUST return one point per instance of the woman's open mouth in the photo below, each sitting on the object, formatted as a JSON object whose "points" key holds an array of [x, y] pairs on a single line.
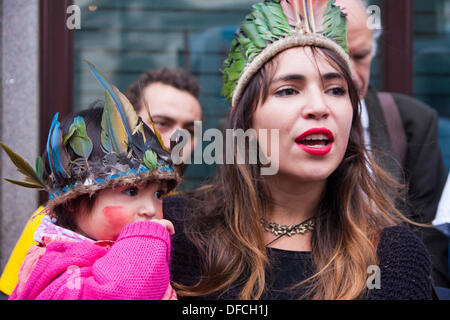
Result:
{"points": [[317, 141]]}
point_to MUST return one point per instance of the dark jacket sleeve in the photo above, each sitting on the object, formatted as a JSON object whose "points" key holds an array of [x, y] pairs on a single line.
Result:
{"points": [[426, 177], [404, 266], [424, 172], [185, 263], [424, 167]]}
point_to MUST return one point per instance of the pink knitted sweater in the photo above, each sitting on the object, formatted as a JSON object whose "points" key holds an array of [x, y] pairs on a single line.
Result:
{"points": [[135, 267]]}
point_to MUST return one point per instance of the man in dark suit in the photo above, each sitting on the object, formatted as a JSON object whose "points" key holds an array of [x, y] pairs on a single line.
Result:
{"points": [[423, 168]]}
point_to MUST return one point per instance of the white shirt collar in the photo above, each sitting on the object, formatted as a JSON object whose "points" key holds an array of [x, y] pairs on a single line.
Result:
{"points": [[364, 114]]}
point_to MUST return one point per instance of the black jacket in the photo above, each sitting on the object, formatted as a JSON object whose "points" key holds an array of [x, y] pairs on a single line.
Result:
{"points": [[424, 172]]}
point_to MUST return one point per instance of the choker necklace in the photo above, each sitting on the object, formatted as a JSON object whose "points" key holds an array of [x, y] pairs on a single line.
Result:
{"points": [[277, 229], [282, 230]]}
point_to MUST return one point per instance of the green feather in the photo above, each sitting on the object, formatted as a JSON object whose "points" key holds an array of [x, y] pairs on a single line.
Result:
{"points": [[232, 72], [150, 159], [335, 25], [249, 48], [251, 31], [266, 24], [275, 18], [39, 168], [69, 134], [78, 138], [25, 184], [261, 26], [23, 166]]}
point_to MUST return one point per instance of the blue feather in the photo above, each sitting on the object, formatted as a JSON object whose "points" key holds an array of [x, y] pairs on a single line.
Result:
{"points": [[117, 102], [57, 161], [55, 119], [53, 152]]}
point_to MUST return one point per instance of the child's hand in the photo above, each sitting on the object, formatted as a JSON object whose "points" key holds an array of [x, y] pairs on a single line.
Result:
{"points": [[165, 223]]}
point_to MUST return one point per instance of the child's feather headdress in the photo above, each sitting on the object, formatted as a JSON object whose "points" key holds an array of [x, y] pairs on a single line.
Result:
{"points": [[133, 153], [276, 25]]}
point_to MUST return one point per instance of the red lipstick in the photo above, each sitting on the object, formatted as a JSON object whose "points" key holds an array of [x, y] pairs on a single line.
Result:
{"points": [[316, 141]]}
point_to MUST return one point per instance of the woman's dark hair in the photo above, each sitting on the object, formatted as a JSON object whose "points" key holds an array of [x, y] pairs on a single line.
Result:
{"points": [[357, 204]]}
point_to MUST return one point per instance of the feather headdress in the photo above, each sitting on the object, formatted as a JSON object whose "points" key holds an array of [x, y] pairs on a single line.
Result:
{"points": [[276, 25], [132, 153]]}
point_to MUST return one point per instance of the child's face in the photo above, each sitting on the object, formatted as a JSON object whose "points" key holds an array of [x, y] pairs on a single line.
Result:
{"points": [[115, 208]]}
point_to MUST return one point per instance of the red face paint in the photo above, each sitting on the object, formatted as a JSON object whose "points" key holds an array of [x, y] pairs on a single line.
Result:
{"points": [[117, 217]]}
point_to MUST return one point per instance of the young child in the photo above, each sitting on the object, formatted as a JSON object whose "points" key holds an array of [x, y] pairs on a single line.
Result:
{"points": [[104, 236]]}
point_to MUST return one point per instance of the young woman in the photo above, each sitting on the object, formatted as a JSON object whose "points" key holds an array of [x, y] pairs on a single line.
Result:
{"points": [[325, 226]]}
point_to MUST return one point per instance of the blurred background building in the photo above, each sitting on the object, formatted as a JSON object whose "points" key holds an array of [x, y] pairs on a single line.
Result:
{"points": [[42, 71]]}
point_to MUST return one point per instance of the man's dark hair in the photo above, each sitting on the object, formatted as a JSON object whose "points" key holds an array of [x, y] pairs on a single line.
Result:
{"points": [[175, 77]]}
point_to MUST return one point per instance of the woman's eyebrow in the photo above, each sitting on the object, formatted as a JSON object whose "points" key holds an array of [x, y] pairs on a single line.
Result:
{"points": [[332, 76], [289, 77], [299, 77]]}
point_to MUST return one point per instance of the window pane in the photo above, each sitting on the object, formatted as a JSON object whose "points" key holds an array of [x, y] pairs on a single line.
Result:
{"points": [[376, 79], [432, 54], [432, 63]]}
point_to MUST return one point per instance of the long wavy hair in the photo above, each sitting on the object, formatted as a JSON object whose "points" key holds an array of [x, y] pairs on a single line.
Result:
{"points": [[357, 204]]}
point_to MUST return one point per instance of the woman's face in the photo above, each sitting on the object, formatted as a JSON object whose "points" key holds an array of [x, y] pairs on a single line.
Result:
{"points": [[114, 208], [308, 102]]}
